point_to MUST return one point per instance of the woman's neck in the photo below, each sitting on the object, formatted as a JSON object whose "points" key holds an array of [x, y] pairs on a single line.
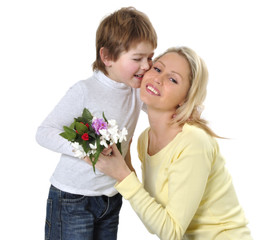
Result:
{"points": [[161, 131]]}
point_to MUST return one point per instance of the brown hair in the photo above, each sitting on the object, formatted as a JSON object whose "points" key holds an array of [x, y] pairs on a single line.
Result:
{"points": [[119, 31]]}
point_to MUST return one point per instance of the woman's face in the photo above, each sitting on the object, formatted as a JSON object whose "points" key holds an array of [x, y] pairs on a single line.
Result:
{"points": [[166, 84]]}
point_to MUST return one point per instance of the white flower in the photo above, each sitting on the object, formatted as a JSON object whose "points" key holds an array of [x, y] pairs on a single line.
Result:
{"points": [[78, 150], [123, 135], [112, 123], [113, 131], [111, 135], [93, 148], [105, 134], [103, 142], [114, 137]]}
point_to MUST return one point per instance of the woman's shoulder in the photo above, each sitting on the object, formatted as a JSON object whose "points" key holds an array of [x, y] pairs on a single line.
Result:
{"points": [[143, 136], [142, 144], [194, 135], [194, 141]]}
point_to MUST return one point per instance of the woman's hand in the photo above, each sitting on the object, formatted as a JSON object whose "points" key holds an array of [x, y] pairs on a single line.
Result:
{"points": [[106, 152], [113, 165]]}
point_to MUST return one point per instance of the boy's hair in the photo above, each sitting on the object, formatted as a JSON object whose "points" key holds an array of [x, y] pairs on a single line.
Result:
{"points": [[119, 32]]}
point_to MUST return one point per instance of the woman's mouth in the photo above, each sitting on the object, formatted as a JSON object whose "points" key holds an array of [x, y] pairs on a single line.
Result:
{"points": [[152, 90]]}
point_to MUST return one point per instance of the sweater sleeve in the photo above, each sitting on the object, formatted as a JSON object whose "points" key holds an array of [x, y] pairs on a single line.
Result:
{"points": [[187, 178], [155, 216], [69, 107]]}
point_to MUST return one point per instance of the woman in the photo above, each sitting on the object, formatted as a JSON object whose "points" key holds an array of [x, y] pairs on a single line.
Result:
{"points": [[186, 193]]}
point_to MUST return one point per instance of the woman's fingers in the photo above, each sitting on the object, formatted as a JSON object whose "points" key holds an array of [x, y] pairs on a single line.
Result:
{"points": [[107, 151], [87, 160]]}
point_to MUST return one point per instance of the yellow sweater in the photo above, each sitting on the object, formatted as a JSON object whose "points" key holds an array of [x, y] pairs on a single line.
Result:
{"points": [[187, 192]]}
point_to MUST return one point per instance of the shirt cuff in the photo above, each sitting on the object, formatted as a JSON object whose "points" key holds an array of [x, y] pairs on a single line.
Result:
{"points": [[129, 186]]}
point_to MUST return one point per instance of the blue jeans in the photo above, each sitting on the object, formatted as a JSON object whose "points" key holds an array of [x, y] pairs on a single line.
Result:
{"points": [[76, 217]]}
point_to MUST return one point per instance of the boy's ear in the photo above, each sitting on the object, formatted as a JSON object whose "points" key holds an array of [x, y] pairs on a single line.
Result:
{"points": [[105, 57]]}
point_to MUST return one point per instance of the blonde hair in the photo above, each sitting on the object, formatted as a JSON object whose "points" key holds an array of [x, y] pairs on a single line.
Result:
{"points": [[120, 31], [190, 110]]}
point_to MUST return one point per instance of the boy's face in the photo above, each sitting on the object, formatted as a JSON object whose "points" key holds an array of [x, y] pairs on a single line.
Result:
{"points": [[130, 67]]}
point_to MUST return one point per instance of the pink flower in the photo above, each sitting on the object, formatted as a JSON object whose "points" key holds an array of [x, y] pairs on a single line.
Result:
{"points": [[98, 124]]}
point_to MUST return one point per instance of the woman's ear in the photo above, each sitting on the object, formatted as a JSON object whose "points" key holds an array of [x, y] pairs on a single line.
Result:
{"points": [[105, 57]]}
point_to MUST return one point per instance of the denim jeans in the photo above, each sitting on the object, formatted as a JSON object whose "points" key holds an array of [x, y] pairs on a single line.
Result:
{"points": [[76, 217]]}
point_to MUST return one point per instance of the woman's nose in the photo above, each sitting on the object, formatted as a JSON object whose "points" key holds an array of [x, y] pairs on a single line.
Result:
{"points": [[158, 79]]}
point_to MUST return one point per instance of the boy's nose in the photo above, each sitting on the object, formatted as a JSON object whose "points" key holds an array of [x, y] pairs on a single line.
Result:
{"points": [[145, 65]]}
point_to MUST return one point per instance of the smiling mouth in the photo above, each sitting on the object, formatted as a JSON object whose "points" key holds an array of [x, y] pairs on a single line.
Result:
{"points": [[139, 76], [152, 90]]}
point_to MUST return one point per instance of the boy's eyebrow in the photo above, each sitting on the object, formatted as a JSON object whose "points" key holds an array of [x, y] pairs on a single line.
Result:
{"points": [[142, 54], [171, 71]]}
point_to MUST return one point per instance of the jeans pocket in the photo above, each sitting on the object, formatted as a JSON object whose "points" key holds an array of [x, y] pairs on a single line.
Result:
{"points": [[48, 219], [72, 198]]}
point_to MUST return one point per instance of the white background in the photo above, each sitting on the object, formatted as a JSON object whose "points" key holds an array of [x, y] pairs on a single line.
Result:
{"points": [[46, 46]]}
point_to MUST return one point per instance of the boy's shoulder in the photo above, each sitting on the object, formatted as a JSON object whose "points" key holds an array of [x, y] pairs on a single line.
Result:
{"points": [[88, 82], [99, 84]]}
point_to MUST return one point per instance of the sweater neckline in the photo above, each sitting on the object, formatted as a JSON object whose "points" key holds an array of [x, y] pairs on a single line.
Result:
{"points": [[155, 156], [109, 82]]}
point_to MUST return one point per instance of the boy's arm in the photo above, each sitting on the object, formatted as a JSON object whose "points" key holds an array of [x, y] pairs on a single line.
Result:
{"points": [[69, 107]]}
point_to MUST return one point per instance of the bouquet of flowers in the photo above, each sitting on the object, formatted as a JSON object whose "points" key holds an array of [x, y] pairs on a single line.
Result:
{"points": [[90, 135]]}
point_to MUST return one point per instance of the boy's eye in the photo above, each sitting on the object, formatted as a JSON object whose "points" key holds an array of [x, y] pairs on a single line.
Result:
{"points": [[137, 59]]}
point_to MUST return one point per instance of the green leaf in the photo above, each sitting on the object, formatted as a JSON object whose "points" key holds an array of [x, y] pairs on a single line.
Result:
{"points": [[64, 135], [69, 134], [72, 126], [118, 144], [96, 155], [87, 115], [92, 134], [81, 128], [81, 119], [105, 118], [85, 146], [91, 157], [79, 139]]}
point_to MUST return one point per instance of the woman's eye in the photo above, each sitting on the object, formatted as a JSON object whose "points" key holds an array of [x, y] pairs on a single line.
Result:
{"points": [[137, 59], [157, 69], [173, 80]]}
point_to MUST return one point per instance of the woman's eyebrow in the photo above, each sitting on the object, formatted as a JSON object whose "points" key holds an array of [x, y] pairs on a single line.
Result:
{"points": [[160, 62], [177, 74], [171, 71]]}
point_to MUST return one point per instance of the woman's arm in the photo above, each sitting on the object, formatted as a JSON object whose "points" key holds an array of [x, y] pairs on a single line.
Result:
{"points": [[187, 178], [114, 166], [128, 158]]}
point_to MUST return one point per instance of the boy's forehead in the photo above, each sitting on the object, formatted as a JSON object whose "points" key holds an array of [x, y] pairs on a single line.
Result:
{"points": [[141, 48]]}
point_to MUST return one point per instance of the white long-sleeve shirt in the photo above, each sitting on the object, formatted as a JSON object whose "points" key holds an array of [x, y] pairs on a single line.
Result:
{"points": [[98, 94]]}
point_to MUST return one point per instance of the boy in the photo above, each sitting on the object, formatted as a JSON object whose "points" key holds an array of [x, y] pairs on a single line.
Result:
{"points": [[83, 204]]}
